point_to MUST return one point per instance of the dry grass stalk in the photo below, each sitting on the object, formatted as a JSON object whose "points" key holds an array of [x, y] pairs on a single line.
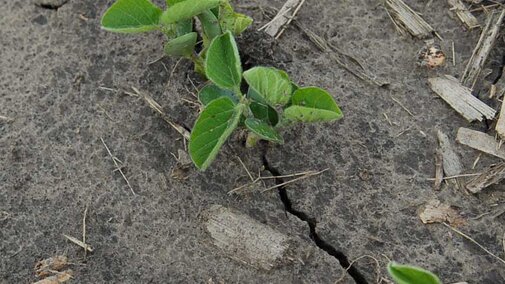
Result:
{"points": [[475, 242], [463, 14], [483, 48], [460, 98], [79, 243], [480, 141], [404, 17], [439, 170], [344, 60], [494, 174], [118, 168]]}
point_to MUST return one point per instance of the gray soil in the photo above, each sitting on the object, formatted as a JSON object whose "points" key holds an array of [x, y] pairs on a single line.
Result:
{"points": [[53, 61]]}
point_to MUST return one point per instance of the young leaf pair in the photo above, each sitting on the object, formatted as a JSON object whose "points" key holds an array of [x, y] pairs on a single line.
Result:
{"points": [[176, 22], [272, 101]]}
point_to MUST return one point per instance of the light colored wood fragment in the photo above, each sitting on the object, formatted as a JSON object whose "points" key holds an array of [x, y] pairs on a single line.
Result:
{"points": [[47, 266], [500, 124], [463, 14], [451, 163], [492, 175], [58, 278], [460, 98], [245, 239], [283, 17], [483, 48], [404, 17], [437, 212], [480, 141]]}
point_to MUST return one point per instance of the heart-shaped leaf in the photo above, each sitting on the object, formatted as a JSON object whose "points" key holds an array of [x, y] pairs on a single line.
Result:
{"points": [[211, 92], [231, 21], [312, 104], [406, 274], [222, 64], [263, 130], [214, 125], [184, 10], [131, 16], [270, 83], [181, 46]]}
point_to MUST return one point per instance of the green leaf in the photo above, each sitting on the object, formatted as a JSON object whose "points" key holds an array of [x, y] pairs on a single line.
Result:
{"points": [[184, 27], [131, 16], [211, 92], [312, 104], [214, 125], [231, 21], [222, 63], [184, 10], [181, 46], [263, 130], [270, 83], [210, 26], [264, 112], [406, 274]]}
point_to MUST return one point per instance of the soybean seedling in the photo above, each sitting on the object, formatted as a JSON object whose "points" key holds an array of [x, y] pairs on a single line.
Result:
{"points": [[177, 22], [272, 101]]}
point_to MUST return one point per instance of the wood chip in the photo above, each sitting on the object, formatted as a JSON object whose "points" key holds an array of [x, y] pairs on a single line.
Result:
{"points": [[285, 15], [59, 278], [245, 239], [451, 163], [494, 174], [500, 124], [79, 243], [47, 266], [480, 141], [437, 212], [464, 14], [406, 18], [483, 48], [460, 98]]}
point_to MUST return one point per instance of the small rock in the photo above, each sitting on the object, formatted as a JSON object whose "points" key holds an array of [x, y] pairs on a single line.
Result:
{"points": [[51, 4]]}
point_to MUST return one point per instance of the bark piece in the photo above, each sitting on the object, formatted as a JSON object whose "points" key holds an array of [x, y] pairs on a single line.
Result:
{"points": [[460, 98], [483, 48], [480, 141], [500, 124], [247, 240], [464, 14], [494, 174], [437, 212], [405, 18]]}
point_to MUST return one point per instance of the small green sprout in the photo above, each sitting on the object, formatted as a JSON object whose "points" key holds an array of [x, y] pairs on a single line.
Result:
{"points": [[272, 101], [177, 23], [406, 274]]}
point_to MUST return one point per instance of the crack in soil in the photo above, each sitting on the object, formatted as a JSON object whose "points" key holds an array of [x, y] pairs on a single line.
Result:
{"points": [[322, 244]]}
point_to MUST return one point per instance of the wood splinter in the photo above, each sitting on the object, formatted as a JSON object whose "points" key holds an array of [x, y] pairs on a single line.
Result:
{"points": [[407, 19], [482, 49], [480, 141], [464, 15], [460, 98]]}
